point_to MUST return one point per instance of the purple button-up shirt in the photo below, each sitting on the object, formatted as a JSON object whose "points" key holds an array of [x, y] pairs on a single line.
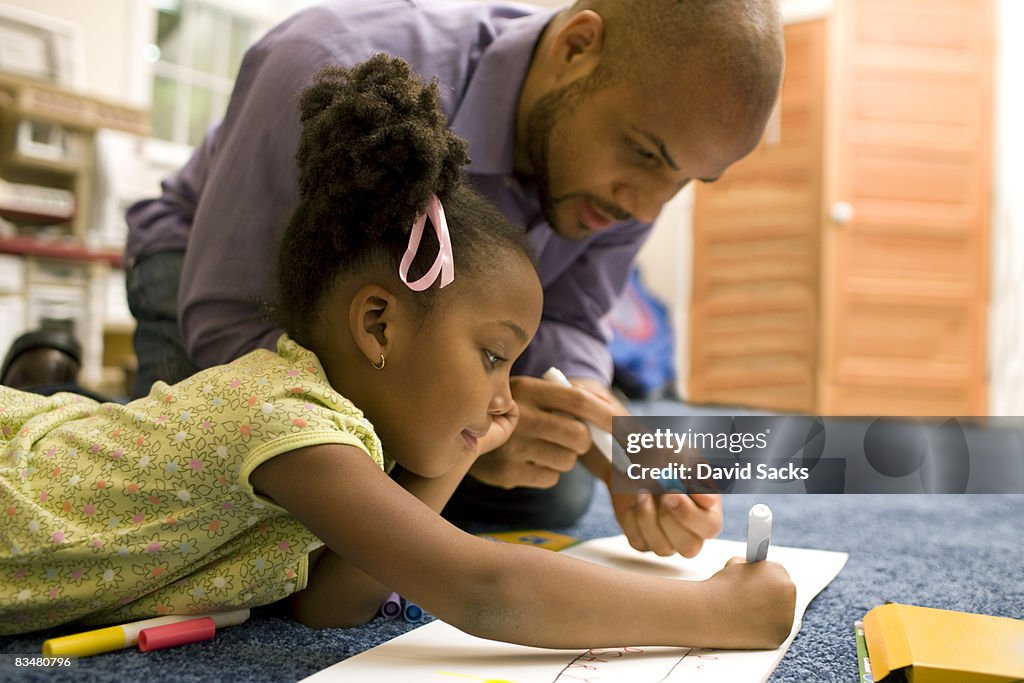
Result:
{"points": [[229, 204]]}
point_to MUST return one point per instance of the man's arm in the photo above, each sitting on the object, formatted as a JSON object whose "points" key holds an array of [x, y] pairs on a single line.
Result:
{"points": [[251, 188]]}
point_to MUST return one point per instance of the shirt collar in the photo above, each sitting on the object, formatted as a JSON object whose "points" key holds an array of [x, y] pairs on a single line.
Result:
{"points": [[486, 117]]}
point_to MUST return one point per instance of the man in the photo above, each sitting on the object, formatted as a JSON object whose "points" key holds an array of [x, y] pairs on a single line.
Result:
{"points": [[581, 122]]}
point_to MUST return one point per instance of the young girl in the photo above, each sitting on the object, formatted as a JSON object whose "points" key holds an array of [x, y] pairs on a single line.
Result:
{"points": [[262, 480]]}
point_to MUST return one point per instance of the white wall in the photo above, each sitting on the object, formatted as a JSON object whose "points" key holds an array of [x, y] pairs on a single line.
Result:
{"points": [[665, 268], [1006, 311], [113, 64]]}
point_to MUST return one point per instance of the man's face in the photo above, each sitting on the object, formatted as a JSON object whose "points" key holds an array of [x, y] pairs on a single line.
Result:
{"points": [[604, 150]]}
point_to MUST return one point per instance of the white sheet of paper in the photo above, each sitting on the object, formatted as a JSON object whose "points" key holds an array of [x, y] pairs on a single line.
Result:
{"points": [[441, 653]]}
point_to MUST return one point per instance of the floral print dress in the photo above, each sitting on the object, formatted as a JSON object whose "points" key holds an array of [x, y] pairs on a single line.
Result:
{"points": [[115, 512]]}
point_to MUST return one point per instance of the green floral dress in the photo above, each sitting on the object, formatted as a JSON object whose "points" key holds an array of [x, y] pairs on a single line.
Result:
{"points": [[114, 512]]}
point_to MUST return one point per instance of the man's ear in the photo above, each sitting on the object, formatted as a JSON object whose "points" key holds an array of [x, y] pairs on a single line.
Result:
{"points": [[576, 47], [372, 320]]}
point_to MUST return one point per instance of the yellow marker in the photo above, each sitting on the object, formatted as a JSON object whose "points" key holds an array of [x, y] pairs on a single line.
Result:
{"points": [[119, 637]]}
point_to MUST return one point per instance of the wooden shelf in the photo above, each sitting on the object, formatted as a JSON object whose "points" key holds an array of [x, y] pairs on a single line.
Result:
{"points": [[48, 140], [70, 250], [41, 101], [68, 167]]}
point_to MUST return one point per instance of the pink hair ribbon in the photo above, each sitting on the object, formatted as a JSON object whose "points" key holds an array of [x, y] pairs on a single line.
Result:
{"points": [[444, 264]]}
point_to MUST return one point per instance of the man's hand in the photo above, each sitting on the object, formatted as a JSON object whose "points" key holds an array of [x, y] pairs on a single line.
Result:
{"points": [[669, 523], [548, 438]]}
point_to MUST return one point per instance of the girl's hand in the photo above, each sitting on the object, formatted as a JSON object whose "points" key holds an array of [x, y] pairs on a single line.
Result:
{"points": [[757, 602], [500, 430]]}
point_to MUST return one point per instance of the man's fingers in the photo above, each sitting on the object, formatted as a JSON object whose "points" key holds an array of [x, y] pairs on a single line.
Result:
{"points": [[686, 542], [553, 457], [703, 523], [707, 501], [507, 474], [627, 520], [575, 401], [559, 429], [649, 525]]}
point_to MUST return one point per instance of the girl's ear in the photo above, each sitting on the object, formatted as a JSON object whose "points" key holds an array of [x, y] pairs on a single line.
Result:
{"points": [[373, 318]]}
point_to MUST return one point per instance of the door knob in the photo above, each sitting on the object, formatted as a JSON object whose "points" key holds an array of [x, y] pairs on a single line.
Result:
{"points": [[841, 213]]}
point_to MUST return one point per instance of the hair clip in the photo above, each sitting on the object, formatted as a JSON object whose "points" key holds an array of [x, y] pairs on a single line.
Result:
{"points": [[444, 264]]}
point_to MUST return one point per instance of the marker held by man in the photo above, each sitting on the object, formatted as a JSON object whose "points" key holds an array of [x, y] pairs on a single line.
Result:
{"points": [[759, 532], [601, 438]]}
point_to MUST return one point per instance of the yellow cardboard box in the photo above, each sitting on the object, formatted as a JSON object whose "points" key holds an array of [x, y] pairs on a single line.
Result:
{"points": [[942, 646]]}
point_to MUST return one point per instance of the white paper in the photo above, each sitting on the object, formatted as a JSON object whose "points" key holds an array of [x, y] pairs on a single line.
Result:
{"points": [[441, 653]]}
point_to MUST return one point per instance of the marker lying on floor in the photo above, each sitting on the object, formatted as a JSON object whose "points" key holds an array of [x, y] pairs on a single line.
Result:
{"points": [[172, 635], [391, 607], [412, 612], [127, 635]]}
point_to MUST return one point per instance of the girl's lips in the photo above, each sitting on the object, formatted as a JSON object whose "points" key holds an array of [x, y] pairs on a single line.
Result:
{"points": [[591, 218], [470, 438]]}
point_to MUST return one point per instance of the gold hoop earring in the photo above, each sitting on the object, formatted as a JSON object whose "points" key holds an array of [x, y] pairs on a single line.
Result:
{"points": [[381, 366]]}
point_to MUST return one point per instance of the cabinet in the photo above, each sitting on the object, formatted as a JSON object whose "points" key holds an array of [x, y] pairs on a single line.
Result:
{"points": [[52, 269], [842, 268]]}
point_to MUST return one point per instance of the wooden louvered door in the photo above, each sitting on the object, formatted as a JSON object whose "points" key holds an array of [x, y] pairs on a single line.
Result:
{"points": [[843, 268]]}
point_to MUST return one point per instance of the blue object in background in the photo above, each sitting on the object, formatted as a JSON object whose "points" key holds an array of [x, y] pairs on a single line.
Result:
{"points": [[643, 343]]}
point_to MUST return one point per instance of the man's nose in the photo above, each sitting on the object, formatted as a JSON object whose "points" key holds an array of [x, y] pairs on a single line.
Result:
{"points": [[644, 200]]}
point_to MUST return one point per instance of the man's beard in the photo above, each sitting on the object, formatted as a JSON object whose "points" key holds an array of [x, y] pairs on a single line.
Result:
{"points": [[540, 130]]}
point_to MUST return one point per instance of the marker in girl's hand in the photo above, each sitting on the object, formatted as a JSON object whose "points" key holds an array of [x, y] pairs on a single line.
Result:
{"points": [[601, 438], [759, 532]]}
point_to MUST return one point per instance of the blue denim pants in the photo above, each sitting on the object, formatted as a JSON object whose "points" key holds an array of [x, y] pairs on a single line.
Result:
{"points": [[152, 283]]}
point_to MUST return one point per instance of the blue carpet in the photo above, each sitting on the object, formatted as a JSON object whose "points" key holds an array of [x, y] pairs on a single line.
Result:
{"points": [[955, 552]]}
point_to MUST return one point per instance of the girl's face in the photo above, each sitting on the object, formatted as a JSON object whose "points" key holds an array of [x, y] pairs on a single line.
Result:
{"points": [[447, 374]]}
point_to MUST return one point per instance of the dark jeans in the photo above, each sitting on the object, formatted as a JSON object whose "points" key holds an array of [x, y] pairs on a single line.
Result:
{"points": [[559, 506], [152, 283]]}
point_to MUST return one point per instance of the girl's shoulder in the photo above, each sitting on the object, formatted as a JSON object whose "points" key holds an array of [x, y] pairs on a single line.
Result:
{"points": [[262, 380]]}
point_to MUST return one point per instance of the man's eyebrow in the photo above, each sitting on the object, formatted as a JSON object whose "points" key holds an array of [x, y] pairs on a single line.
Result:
{"points": [[660, 144], [516, 330]]}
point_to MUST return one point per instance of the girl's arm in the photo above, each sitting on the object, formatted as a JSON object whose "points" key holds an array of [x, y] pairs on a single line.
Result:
{"points": [[362, 595], [353, 595], [510, 592]]}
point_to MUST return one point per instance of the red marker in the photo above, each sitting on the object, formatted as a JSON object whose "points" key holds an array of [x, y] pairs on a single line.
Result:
{"points": [[172, 635]]}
